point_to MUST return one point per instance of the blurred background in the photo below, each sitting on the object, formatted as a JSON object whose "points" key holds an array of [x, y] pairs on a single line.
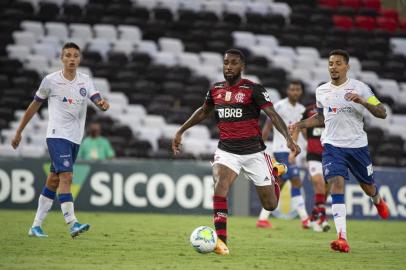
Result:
{"points": [[154, 61]]}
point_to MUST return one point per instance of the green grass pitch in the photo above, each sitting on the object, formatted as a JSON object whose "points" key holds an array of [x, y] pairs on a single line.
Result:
{"points": [[149, 241]]}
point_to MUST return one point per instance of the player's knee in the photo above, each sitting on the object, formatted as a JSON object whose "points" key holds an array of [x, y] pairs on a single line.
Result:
{"points": [[65, 178]]}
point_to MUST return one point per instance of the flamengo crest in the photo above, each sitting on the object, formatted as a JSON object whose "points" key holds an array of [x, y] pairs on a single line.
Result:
{"points": [[239, 97]]}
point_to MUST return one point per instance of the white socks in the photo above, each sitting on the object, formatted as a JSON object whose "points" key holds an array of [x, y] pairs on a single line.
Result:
{"points": [[298, 204], [264, 215], [44, 205], [68, 212], [340, 219]]}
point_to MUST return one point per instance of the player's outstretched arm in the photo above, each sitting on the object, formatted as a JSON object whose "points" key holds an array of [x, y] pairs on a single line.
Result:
{"points": [[198, 116], [29, 113], [282, 128], [316, 120]]}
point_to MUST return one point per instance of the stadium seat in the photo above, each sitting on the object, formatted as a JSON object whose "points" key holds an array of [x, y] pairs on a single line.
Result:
{"points": [[123, 46], [190, 60], [57, 29], [258, 8], [280, 8], [329, 3], [216, 7], [171, 45], [24, 38], [47, 50], [99, 45], [211, 59], [354, 4], [236, 7], [18, 52], [373, 4], [243, 39], [105, 31], [344, 22], [388, 24], [365, 22], [129, 32]]}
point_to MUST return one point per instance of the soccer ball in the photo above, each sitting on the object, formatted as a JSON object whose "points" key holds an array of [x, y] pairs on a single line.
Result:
{"points": [[203, 239]]}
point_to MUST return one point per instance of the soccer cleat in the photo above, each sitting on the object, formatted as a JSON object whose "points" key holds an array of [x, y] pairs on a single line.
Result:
{"points": [[78, 228], [278, 168], [306, 223], [264, 224], [383, 209], [36, 232], [221, 248], [340, 245]]}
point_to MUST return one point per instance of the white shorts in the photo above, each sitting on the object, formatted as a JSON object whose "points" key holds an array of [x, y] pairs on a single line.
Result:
{"points": [[315, 167], [257, 167]]}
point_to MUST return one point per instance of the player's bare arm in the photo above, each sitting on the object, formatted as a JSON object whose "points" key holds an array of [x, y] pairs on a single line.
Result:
{"points": [[282, 128], [374, 107], [198, 116], [316, 120], [266, 130], [29, 113]]}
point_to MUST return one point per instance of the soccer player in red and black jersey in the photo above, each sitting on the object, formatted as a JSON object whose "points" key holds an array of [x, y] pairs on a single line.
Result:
{"points": [[318, 217], [237, 103]]}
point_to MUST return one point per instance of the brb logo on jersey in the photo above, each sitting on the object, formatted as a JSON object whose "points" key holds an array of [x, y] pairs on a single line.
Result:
{"points": [[230, 112]]}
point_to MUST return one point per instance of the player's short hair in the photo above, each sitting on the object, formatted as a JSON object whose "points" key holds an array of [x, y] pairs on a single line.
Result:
{"points": [[298, 82], [70, 45], [236, 52], [343, 53]]}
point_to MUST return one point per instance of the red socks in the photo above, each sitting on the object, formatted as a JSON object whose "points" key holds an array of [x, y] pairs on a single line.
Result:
{"points": [[220, 210]]}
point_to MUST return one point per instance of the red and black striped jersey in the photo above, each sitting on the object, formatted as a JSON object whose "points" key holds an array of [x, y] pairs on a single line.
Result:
{"points": [[314, 147], [237, 109]]}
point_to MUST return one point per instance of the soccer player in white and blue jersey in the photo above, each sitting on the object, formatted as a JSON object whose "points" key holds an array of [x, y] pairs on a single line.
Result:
{"points": [[291, 111], [67, 92], [340, 104]]}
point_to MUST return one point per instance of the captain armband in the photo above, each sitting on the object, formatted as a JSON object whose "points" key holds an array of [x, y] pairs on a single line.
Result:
{"points": [[373, 101]]}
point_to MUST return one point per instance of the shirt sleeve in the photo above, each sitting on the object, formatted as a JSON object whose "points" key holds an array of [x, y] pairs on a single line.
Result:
{"points": [[261, 96], [209, 99], [93, 94], [319, 105], [43, 91], [368, 95]]}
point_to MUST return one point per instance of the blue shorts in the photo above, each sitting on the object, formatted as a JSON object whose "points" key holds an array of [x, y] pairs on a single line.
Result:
{"points": [[63, 154], [337, 161], [293, 170]]}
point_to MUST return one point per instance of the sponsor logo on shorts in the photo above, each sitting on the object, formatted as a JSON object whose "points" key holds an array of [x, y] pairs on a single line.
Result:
{"points": [[370, 170]]}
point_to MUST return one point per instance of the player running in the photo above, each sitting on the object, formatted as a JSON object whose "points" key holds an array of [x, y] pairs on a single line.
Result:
{"points": [[340, 106], [291, 111], [237, 103], [67, 92], [318, 218]]}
